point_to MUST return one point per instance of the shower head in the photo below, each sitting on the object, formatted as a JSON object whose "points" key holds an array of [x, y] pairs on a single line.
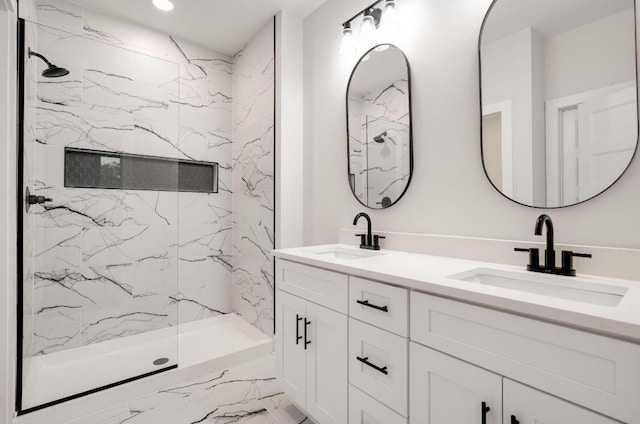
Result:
{"points": [[52, 71], [381, 138]]}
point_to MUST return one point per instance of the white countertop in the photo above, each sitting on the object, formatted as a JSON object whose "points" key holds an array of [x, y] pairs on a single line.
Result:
{"points": [[429, 274]]}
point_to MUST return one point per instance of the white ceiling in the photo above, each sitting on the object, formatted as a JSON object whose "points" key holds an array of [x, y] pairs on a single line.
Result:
{"points": [[380, 69], [224, 26], [547, 17]]}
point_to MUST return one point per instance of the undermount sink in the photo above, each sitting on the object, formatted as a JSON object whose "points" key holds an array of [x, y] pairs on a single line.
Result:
{"points": [[341, 253], [569, 288]]}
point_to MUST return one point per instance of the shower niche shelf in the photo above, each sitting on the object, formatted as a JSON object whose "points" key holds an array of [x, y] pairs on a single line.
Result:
{"points": [[108, 170]]}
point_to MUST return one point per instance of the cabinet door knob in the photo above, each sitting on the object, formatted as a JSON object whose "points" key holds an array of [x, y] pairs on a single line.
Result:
{"points": [[365, 361], [370, 305], [306, 342], [298, 336], [485, 409], [514, 420]]}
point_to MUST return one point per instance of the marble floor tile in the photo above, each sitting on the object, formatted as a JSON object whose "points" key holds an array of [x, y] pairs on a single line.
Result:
{"points": [[282, 409], [245, 394]]}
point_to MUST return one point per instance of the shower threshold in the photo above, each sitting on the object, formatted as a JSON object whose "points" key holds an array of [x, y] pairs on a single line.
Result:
{"points": [[202, 346]]}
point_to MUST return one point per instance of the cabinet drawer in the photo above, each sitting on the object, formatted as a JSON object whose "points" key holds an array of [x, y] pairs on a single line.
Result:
{"points": [[326, 288], [382, 370], [363, 409], [379, 304], [588, 369]]}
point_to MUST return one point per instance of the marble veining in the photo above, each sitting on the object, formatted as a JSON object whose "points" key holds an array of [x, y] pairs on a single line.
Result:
{"points": [[253, 181], [104, 264], [379, 143], [243, 394]]}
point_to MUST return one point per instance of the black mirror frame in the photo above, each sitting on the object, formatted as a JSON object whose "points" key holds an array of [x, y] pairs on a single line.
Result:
{"points": [[349, 174], [635, 153]]}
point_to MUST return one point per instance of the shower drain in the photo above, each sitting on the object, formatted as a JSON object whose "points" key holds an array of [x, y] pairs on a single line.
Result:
{"points": [[160, 361]]}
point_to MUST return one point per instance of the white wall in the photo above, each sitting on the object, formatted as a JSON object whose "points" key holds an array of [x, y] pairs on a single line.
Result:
{"points": [[449, 193], [507, 75], [538, 147], [289, 132], [570, 69], [7, 211]]}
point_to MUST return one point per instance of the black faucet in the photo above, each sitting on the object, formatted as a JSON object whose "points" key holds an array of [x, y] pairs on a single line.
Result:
{"points": [[549, 253], [367, 241]]}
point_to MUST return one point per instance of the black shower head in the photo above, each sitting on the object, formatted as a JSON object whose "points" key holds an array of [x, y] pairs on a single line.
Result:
{"points": [[52, 71], [381, 138]]}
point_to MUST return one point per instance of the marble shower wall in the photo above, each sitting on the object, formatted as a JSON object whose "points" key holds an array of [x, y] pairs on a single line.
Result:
{"points": [[114, 263], [380, 169], [30, 86], [253, 181]]}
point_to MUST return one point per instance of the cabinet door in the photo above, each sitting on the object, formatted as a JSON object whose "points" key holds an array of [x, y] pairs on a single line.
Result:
{"points": [[363, 409], [326, 365], [528, 405], [445, 390], [290, 353]]}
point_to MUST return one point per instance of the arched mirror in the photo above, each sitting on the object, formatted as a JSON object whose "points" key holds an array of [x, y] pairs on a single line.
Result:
{"points": [[379, 127], [558, 98]]}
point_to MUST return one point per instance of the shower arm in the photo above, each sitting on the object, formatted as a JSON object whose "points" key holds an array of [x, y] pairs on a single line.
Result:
{"points": [[32, 53]]}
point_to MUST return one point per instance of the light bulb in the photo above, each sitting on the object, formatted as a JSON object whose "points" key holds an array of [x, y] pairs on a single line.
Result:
{"points": [[348, 44], [367, 27], [382, 47], [165, 5], [389, 21]]}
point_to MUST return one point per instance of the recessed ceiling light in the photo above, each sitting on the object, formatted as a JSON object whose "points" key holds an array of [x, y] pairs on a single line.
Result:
{"points": [[165, 5]]}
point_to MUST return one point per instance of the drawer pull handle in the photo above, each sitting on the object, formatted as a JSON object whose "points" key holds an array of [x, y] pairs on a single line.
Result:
{"points": [[366, 303], [514, 420], [306, 342], [365, 361], [485, 409], [298, 336]]}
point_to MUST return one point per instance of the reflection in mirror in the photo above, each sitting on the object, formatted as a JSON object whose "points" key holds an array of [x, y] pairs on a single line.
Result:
{"points": [[379, 127], [559, 98]]}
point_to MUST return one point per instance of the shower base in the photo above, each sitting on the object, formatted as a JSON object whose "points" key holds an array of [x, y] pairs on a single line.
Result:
{"points": [[202, 346]]}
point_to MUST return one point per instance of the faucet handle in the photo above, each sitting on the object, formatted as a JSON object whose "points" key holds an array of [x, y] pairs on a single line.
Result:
{"points": [[363, 239], [534, 257], [567, 261], [581, 255], [376, 241]]}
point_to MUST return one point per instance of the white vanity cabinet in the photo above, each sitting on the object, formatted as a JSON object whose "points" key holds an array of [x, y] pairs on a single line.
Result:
{"points": [[311, 344], [599, 373], [382, 353], [446, 390]]}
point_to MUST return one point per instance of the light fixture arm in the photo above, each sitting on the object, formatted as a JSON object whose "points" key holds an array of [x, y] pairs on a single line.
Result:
{"points": [[375, 12]]}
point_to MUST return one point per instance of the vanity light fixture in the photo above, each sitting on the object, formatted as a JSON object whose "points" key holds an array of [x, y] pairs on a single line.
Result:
{"points": [[390, 22], [348, 43], [164, 5], [368, 25], [381, 15]]}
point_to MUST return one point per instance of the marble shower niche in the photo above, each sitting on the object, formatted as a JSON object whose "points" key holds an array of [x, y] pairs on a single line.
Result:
{"points": [[102, 264]]}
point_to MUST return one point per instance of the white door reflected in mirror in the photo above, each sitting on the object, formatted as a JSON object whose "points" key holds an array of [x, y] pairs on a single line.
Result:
{"points": [[559, 98]]}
